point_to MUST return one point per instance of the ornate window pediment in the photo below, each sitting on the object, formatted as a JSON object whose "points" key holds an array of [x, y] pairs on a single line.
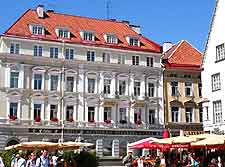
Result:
{"points": [[38, 69]]}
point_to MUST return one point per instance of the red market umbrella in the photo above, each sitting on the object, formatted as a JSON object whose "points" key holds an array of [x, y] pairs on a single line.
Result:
{"points": [[144, 143], [165, 133]]}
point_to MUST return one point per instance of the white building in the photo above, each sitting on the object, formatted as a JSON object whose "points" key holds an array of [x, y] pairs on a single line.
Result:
{"points": [[97, 77], [214, 73]]}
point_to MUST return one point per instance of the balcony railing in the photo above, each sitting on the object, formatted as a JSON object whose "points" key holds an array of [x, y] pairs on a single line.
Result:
{"points": [[75, 124]]}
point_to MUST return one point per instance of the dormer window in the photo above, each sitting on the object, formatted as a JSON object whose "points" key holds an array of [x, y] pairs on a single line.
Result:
{"points": [[37, 29], [87, 35], [63, 33], [133, 41], [111, 38]]}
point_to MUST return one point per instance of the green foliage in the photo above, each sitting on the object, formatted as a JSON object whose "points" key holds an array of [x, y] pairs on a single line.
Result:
{"points": [[7, 156]]}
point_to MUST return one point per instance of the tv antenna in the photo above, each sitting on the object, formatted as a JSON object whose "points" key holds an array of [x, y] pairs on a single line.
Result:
{"points": [[108, 3]]}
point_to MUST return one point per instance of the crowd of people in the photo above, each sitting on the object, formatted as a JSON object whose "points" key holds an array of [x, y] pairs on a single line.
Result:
{"points": [[32, 160], [187, 159]]}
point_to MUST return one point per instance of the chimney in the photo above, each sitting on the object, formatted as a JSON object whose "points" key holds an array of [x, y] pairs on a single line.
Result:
{"points": [[167, 46], [136, 28], [40, 11], [126, 22]]}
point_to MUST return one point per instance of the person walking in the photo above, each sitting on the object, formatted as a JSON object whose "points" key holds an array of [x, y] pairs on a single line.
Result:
{"points": [[1, 162], [128, 160], [19, 161], [31, 162], [43, 160]]}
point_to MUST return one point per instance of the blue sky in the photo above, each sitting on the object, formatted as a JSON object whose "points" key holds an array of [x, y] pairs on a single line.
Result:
{"points": [[160, 20]]}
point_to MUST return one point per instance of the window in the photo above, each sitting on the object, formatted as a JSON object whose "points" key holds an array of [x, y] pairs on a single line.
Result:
{"points": [[106, 57], [217, 111], [91, 85], [151, 117], [53, 112], [13, 108], [216, 82], [123, 117], [173, 75], [63, 33], [111, 39], [37, 30], [151, 90], [189, 114], [54, 82], [88, 36], [107, 113], [69, 113], [69, 84], [121, 59], [135, 60], [200, 89], [122, 87], [37, 50], [220, 52], [14, 77], [69, 54], [14, 48], [107, 83], [137, 88], [137, 116], [207, 112], [90, 55], [54, 52], [134, 41], [174, 88], [37, 111], [187, 76], [188, 88], [91, 114], [200, 114], [149, 61], [37, 81], [175, 114]]}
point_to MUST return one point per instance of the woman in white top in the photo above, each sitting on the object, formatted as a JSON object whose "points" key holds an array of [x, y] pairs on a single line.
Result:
{"points": [[1, 162]]}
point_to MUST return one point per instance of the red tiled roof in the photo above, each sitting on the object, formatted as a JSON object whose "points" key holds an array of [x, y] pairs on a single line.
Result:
{"points": [[183, 56], [75, 24]]}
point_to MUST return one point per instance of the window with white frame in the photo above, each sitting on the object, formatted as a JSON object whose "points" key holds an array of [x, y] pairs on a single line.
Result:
{"points": [[38, 50], [135, 60], [63, 33], [200, 114], [107, 84], [216, 85], [91, 85], [37, 30], [69, 113], [54, 79], [200, 89], [14, 48], [217, 111], [111, 39], [137, 88], [88, 36], [149, 61], [106, 57], [107, 113], [123, 115], [174, 88], [137, 115], [69, 83], [122, 87], [151, 117], [175, 114], [90, 55], [69, 55], [220, 52], [37, 111], [37, 81], [188, 88], [54, 52], [13, 109], [91, 114], [133, 41], [53, 112], [121, 59], [207, 112], [189, 114], [151, 90], [14, 78]]}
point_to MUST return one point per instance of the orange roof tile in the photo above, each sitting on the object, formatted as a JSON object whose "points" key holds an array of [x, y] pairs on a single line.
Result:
{"points": [[182, 55], [75, 24]]}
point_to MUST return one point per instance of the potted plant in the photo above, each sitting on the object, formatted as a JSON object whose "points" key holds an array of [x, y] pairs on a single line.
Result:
{"points": [[37, 119], [91, 121], [107, 121], [70, 119], [54, 119], [12, 117], [138, 122]]}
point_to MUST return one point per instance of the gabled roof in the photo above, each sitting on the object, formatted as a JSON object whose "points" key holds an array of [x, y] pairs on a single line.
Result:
{"points": [[75, 24], [183, 56]]}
